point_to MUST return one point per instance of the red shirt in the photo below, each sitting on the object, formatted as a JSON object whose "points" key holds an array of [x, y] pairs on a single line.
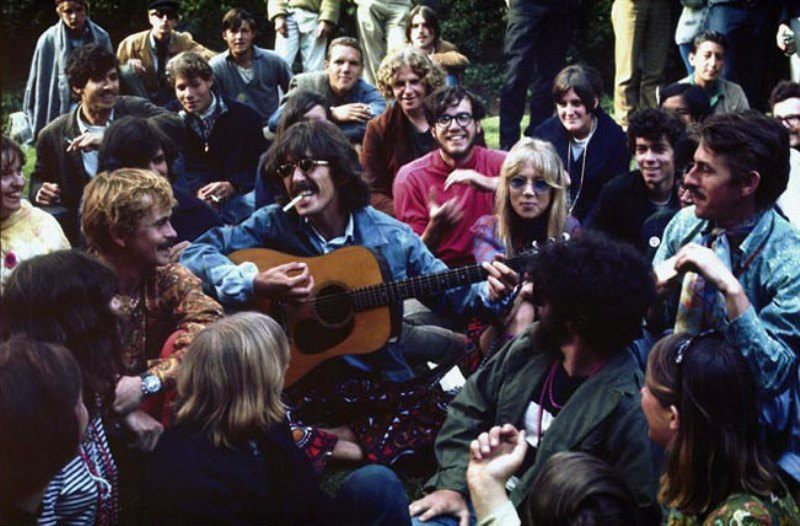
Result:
{"points": [[413, 183]]}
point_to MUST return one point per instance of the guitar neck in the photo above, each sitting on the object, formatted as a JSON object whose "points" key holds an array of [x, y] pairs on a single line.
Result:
{"points": [[375, 296]]}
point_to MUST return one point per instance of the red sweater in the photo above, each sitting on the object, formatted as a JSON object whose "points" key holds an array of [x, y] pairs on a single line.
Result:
{"points": [[414, 181]]}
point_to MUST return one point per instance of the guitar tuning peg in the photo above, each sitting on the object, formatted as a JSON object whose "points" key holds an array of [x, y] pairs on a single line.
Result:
{"points": [[534, 244], [565, 236], [551, 240]]}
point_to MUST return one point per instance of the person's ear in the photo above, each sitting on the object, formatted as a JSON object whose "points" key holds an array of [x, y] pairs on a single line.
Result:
{"points": [[596, 104], [674, 419], [118, 238], [325, 64], [478, 129], [691, 58], [750, 183]]}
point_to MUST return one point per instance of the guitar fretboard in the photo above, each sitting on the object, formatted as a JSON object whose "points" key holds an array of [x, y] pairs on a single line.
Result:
{"points": [[374, 296]]}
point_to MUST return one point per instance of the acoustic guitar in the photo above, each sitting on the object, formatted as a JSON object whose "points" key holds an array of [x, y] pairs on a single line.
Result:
{"points": [[354, 308]]}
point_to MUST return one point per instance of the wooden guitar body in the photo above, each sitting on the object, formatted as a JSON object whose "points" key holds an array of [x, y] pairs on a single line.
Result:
{"points": [[329, 325]]}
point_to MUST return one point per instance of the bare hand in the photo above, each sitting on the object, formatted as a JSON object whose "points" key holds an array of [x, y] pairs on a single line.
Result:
{"points": [[473, 178], [785, 39], [48, 194], [324, 29], [128, 394], [136, 66], [441, 502], [280, 25], [355, 112], [497, 454], [177, 250], [501, 279], [86, 142], [703, 260], [448, 213], [146, 430], [494, 457], [216, 192], [288, 282]]}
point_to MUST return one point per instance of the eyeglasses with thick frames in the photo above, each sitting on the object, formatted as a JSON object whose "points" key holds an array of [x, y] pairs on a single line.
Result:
{"points": [[790, 120], [305, 165], [519, 183], [462, 119]]}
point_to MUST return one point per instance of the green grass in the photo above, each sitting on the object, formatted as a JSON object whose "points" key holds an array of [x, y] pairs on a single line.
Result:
{"points": [[30, 162], [491, 129]]}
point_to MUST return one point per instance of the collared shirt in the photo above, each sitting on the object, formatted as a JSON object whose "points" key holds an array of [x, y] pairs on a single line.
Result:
{"points": [[769, 330], [90, 157], [329, 245], [726, 96]]}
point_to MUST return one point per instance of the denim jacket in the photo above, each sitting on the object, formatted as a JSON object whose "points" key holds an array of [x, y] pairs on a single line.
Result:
{"points": [[768, 332], [270, 227]]}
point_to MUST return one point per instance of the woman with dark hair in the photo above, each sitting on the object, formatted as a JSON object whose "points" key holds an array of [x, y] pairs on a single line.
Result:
{"points": [[231, 458], [701, 404], [593, 148], [25, 231], [688, 102], [401, 133], [572, 489], [424, 33], [133, 142], [303, 105], [41, 390], [65, 298]]}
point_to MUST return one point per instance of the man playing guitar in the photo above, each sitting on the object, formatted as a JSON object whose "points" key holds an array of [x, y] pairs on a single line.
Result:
{"points": [[314, 165]]}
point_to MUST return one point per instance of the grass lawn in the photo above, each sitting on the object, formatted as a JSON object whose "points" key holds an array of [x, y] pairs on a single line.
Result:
{"points": [[491, 129]]}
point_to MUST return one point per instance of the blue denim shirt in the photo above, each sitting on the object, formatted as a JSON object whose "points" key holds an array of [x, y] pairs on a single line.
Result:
{"points": [[270, 227], [768, 332]]}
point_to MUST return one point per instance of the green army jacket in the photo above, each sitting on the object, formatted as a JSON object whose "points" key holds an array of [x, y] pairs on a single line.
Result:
{"points": [[603, 417]]}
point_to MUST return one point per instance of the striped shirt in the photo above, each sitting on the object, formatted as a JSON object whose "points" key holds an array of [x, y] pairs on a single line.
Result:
{"points": [[86, 489]]}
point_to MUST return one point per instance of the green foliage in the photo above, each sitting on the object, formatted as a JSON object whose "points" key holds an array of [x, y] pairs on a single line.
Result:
{"points": [[477, 27]]}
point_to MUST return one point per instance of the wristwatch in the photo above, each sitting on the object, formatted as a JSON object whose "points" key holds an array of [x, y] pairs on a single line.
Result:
{"points": [[151, 384]]}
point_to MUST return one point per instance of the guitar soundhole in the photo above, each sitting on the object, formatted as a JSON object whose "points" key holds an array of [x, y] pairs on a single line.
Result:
{"points": [[333, 306], [331, 323]]}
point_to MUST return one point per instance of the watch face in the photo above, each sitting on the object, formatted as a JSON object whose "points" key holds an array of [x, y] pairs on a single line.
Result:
{"points": [[151, 384]]}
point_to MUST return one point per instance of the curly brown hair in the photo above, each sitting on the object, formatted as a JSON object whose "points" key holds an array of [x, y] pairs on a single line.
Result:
{"points": [[432, 75]]}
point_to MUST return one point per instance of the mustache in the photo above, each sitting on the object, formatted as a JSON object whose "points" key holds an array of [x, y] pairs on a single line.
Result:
{"points": [[303, 186]]}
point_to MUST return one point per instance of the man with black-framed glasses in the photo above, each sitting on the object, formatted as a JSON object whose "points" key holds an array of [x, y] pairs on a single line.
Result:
{"points": [[143, 56], [442, 194], [785, 104]]}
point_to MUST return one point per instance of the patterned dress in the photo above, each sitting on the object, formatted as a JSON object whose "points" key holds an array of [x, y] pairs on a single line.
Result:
{"points": [[740, 509]]}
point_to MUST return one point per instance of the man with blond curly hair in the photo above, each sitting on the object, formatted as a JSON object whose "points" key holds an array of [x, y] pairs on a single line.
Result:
{"points": [[402, 133], [161, 306]]}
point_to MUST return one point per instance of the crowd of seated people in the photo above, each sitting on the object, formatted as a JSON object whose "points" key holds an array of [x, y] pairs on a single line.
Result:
{"points": [[278, 276]]}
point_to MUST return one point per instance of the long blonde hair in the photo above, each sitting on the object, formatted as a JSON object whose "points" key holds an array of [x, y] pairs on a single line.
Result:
{"points": [[542, 157], [231, 379]]}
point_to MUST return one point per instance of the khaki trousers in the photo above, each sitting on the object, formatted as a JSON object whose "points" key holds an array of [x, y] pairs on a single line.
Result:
{"points": [[642, 36]]}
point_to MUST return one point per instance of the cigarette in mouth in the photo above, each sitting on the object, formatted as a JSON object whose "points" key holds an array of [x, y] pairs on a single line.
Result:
{"points": [[291, 204]]}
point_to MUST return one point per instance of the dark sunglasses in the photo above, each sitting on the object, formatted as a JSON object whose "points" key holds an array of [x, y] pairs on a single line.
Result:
{"points": [[305, 165]]}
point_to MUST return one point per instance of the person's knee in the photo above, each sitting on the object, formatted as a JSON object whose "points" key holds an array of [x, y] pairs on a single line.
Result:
{"points": [[373, 481]]}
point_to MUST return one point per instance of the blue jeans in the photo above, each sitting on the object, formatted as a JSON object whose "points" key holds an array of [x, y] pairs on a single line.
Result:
{"points": [[750, 35], [685, 49], [446, 520], [374, 495]]}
